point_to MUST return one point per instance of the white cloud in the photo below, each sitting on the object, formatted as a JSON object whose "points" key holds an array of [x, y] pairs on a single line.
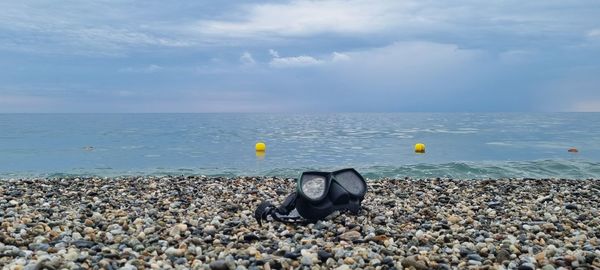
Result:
{"points": [[273, 53], [410, 19], [304, 60], [247, 59], [296, 61], [593, 34], [336, 57], [407, 56], [108, 28], [425, 69], [302, 18], [147, 69]]}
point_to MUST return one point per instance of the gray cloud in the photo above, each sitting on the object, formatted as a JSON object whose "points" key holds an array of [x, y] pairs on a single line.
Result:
{"points": [[299, 55]]}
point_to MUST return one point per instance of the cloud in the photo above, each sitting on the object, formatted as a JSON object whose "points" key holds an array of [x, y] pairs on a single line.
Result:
{"points": [[304, 60], [274, 53], [147, 69], [406, 67], [336, 57], [401, 57], [302, 18], [119, 29], [402, 76], [247, 59], [593, 34], [296, 61], [476, 24], [383, 55], [77, 28]]}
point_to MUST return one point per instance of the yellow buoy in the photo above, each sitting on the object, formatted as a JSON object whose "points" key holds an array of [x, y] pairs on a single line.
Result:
{"points": [[260, 147], [420, 148]]}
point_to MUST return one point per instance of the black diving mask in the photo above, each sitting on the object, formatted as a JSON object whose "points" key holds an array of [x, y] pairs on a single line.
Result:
{"points": [[318, 194]]}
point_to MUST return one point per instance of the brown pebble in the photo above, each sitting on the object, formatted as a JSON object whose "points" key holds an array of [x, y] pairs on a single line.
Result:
{"points": [[350, 236], [569, 258], [88, 222], [412, 261], [454, 219], [349, 260], [380, 238], [540, 257]]}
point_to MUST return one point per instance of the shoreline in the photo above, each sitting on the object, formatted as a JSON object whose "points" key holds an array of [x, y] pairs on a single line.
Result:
{"points": [[207, 223]]}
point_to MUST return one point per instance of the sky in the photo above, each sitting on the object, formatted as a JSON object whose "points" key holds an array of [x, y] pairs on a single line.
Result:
{"points": [[299, 56]]}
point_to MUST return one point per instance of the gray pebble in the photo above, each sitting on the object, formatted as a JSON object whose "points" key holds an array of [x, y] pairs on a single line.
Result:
{"points": [[219, 265]]}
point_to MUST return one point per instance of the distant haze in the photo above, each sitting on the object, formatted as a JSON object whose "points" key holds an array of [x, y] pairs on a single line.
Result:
{"points": [[299, 56]]}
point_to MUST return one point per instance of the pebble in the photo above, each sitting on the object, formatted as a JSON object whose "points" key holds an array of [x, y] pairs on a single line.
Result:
{"points": [[474, 262], [199, 222], [379, 220], [412, 262], [571, 206], [454, 219], [474, 257], [324, 255], [176, 252], [219, 265], [178, 229], [209, 230], [526, 266], [83, 244], [306, 260], [350, 236]]}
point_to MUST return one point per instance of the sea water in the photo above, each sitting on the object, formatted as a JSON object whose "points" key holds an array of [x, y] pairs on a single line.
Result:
{"points": [[458, 145]]}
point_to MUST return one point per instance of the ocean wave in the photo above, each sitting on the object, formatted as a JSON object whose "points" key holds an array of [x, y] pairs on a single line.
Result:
{"points": [[542, 169], [568, 169]]}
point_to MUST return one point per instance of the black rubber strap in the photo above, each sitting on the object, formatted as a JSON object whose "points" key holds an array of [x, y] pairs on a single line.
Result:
{"points": [[264, 210], [288, 204], [284, 213]]}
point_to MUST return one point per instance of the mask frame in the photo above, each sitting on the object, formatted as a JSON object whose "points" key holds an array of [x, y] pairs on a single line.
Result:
{"points": [[337, 194], [342, 190]]}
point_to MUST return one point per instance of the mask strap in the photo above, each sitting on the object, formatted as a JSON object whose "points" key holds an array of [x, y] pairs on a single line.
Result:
{"points": [[284, 213], [288, 204]]}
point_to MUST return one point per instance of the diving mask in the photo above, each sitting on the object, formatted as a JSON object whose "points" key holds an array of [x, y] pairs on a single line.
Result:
{"points": [[318, 194]]}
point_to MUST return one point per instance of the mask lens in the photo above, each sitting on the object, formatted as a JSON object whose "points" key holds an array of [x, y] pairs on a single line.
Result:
{"points": [[313, 186], [350, 181]]}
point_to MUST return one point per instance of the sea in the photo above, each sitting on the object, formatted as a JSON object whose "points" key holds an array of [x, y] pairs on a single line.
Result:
{"points": [[458, 145]]}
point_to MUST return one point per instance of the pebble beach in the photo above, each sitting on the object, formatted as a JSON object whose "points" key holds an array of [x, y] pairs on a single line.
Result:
{"points": [[197, 222]]}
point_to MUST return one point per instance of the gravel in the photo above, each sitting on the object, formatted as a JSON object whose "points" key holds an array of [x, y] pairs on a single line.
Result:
{"points": [[197, 222]]}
